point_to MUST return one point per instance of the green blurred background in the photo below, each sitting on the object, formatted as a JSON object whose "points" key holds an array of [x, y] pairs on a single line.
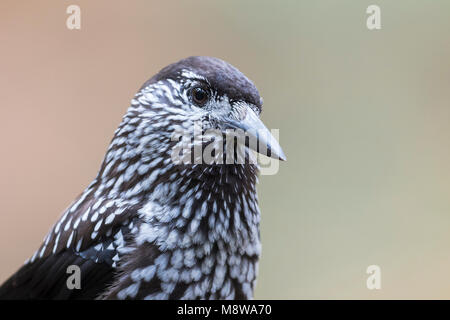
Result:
{"points": [[363, 118]]}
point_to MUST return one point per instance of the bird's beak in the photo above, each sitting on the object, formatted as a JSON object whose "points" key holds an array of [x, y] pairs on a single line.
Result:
{"points": [[261, 140]]}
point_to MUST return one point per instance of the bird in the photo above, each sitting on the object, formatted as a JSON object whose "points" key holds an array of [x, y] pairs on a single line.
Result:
{"points": [[149, 227]]}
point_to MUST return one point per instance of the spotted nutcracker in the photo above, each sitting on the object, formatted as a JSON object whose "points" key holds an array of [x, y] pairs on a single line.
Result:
{"points": [[148, 227]]}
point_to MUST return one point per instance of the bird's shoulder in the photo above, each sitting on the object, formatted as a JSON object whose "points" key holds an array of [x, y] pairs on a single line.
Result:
{"points": [[92, 227], [91, 234]]}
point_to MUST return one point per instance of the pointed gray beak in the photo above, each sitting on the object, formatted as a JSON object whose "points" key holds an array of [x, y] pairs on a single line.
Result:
{"points": [[260, 138]]}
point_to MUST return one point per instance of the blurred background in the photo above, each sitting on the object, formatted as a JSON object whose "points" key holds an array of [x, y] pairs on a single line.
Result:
{"points": [[363, 117]]}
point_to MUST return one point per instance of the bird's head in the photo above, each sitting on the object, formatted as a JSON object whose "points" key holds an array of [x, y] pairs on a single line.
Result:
{"points": [[212, 93], [193, 91]]}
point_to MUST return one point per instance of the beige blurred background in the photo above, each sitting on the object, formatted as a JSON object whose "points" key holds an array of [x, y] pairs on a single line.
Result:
{"points": [[363, 116]]}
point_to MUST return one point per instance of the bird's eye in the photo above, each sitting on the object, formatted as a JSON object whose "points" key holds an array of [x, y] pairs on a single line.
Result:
{"points": [[199, 96]]}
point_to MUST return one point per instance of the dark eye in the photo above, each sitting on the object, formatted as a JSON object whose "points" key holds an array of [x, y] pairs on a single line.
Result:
{"points": [[199, 96]]}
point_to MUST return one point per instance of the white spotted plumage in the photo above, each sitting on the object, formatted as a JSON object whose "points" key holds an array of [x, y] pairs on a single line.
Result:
{"points": [[168, 230]]}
